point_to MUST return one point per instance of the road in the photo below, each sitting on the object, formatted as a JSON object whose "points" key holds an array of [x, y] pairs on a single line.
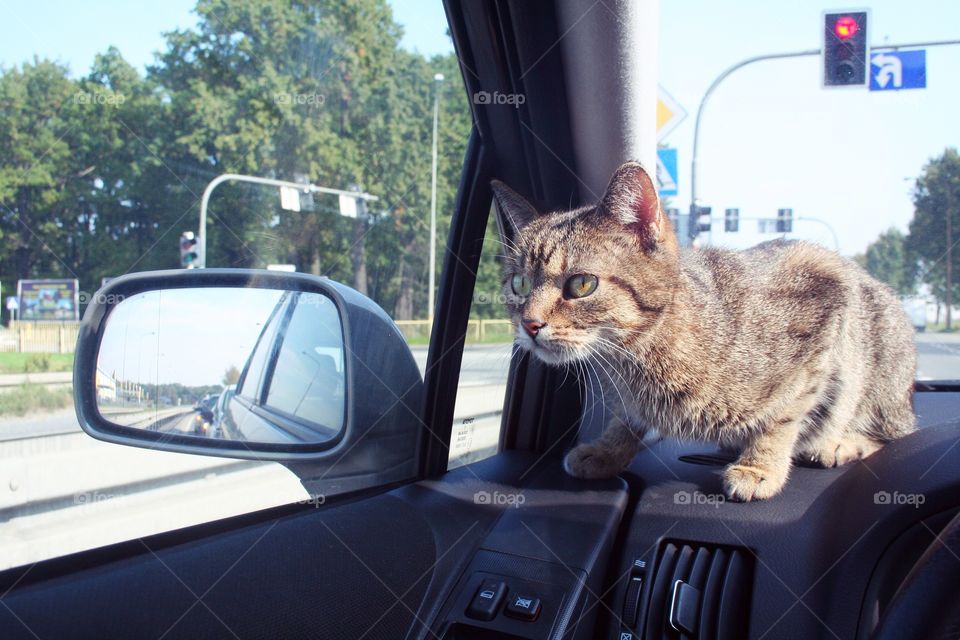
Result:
{"points": [[938, 356], [61, 491]]}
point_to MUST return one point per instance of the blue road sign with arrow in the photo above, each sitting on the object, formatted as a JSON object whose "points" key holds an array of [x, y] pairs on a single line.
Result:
{"points": [[667, 172], [896, 70]]}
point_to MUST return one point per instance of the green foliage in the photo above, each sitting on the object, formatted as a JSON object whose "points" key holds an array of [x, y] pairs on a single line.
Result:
{"points": [[885, 261], [30, 398], [35, 362], [936, 196], [101, 173]]}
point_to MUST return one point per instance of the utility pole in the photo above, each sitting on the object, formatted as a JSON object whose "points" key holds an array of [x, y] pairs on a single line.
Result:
{"points": [[437, 79]]}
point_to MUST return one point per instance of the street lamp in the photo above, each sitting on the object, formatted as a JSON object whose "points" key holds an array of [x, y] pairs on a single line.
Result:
{"points": [[437, 79]]}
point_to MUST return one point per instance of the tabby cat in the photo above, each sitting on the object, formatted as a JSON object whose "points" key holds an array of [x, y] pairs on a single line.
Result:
{"points": [[783, 351]]}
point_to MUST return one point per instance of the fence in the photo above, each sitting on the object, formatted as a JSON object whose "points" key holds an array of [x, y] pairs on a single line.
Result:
{"points": [[61, 337], [477, 330], [40, 337]]}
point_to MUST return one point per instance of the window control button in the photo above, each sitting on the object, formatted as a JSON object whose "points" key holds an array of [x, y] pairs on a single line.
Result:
{"points": [[524, 607], [487, 600]]}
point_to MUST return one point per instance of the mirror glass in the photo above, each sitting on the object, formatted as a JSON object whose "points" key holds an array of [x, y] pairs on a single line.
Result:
{"points": [[258, 365]]}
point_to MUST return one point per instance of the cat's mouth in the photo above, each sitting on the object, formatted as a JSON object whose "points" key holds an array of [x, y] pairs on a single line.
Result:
{"points": [[550, 351]]}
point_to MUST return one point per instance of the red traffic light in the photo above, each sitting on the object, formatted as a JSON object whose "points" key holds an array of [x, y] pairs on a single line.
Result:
{"points": [[845, 27]]}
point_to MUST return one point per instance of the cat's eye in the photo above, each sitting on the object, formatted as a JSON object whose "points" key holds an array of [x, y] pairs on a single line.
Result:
{"points": [[521, 285], [580, 285]]}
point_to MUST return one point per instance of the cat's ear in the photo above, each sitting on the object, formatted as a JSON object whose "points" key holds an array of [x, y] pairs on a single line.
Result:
{"points": [[631, 199], [513, 211]]}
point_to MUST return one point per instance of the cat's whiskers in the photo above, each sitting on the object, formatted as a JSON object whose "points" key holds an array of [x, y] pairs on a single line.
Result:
{"points": [[597, 353]]}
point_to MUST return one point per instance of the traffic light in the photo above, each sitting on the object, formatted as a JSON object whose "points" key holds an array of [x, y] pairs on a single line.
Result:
{"points": [[731, 220], [189, 251], [845, 49], [699, 220], [784, 220]]}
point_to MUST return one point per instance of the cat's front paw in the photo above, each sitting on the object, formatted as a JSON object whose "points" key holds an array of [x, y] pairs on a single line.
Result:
{"points": [[592, 461], [744, 483]]}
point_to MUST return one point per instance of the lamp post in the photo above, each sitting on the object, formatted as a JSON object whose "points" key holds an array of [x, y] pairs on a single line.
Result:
{"points": [[437, 79]]}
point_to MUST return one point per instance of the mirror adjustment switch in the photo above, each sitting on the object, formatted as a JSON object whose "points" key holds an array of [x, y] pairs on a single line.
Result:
{"points": [[487, 600], [524, 607]]}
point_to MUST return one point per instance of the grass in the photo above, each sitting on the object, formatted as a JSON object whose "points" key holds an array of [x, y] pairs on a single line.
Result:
{"points": [[31, 398], [35, 362], [942, 327]]}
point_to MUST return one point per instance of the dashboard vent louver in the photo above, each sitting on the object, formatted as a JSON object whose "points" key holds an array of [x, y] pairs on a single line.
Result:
{"points": [[708, 459], [699, 592]]}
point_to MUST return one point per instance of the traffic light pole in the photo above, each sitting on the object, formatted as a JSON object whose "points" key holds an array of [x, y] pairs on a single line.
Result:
{"points": [[772, 56], [703, 103], [237, 177]]}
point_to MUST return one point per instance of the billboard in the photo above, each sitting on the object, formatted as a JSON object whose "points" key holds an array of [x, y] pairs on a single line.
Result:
{"points": [[49, 299]]}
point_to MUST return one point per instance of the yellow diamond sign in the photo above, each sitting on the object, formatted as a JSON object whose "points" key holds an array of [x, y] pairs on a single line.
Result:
{"points": [[669, 114]]}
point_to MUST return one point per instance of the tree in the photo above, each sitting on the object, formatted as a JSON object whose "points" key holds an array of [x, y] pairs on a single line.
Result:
{"points": [[885, 261], [100, 174], [934, 229], [231, 375]]}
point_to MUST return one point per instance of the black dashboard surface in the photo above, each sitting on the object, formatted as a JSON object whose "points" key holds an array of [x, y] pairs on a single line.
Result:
{"points": [[816, 544]]}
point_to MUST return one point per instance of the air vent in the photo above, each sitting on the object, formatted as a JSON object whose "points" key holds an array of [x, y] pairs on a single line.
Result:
{"points": [[699, 591], [708, 459]]}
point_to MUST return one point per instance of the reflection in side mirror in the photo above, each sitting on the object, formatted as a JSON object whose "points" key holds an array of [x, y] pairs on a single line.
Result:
{"points": [[241, 364]]}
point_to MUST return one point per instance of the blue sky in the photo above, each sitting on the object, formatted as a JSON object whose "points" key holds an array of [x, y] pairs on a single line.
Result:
{"points": [[771, 137]]}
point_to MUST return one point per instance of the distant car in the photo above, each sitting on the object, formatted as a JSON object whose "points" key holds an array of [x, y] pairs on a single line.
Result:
{"points": [[206, 404], [219, 409], [916, 309]]}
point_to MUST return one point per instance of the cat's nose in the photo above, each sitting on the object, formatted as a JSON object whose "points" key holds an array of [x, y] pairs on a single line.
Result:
{"points": [[532, 327]]}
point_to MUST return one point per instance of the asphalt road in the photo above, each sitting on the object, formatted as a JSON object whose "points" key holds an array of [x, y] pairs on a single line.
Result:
{"points": [[66, 493], [938, 358]]}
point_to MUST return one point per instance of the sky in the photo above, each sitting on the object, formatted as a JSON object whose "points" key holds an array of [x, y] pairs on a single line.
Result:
{"points": [[771, 137], [180, 335]]}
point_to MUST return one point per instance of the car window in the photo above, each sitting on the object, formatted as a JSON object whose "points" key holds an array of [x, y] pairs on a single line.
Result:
{"points": [[486, 362], [306, 381], [251, 378], [310, 132]]}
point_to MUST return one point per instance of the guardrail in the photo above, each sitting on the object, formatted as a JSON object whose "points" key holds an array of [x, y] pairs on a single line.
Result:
{"points": [[477, 330]]}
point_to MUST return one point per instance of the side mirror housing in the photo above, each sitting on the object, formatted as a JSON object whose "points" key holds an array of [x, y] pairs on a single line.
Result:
{"points": [[251, 364]]}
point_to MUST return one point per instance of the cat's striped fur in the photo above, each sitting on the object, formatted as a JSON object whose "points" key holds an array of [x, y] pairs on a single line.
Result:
{"points": [[782, 351]]}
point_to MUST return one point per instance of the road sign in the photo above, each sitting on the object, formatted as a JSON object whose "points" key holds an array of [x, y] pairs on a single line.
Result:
{"points": [[667, 172], [896, 70], [290, 198], [12, 304], [669, 113]]}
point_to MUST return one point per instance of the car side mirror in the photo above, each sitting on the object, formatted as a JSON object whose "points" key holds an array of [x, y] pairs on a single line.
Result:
{"points": [[250, 364]]}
